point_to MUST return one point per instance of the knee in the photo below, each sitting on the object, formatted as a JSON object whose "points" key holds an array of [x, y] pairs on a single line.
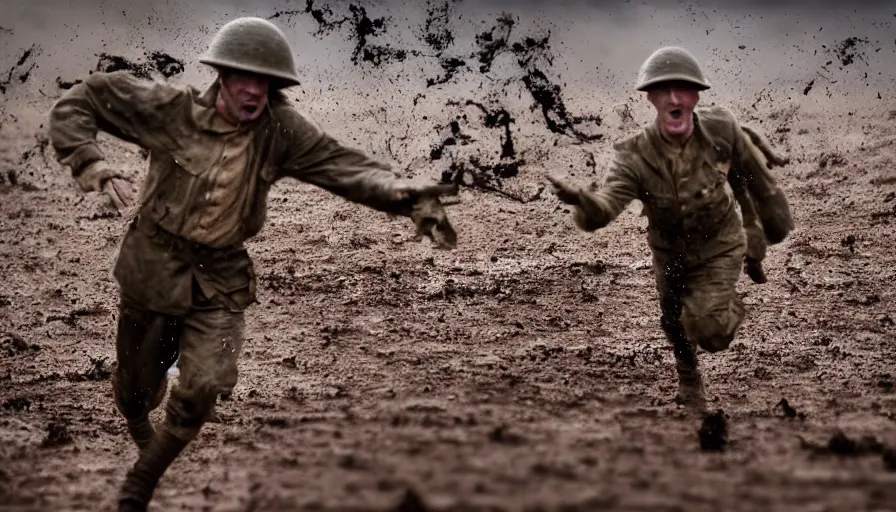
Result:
{"points": [[713, 331]]}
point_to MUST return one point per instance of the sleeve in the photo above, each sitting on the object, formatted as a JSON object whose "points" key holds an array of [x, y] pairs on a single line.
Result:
{"points": [[315, 157], [751, 171], [117, 103], [599, 208]]}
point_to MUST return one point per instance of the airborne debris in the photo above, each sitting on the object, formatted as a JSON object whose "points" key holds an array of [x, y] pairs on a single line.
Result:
{"points": [[17, 71], [159, 62], [436, 33], [808, 88]]}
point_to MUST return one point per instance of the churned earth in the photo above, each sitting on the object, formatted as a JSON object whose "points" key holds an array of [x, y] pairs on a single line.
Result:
{"points": [[524, 370]]}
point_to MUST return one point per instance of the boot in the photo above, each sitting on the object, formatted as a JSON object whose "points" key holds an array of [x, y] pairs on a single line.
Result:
{"points": [[141, 429], [141, 481], [753, 268]]}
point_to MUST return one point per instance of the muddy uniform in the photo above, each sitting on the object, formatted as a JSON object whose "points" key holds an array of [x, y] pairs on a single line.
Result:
{"points": [[185, 277], [695, 231]]}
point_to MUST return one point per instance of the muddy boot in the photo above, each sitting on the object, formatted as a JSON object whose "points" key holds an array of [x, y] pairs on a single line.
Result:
{"points": [[141, 481], [753, 268]]}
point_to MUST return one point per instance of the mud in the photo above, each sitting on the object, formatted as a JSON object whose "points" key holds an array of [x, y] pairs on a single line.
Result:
{"points": [[157, 62], [525, 370]]}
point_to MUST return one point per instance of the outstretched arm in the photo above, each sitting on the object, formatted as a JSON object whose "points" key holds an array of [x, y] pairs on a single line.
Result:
{"points": [[596, 209], [316, 157]]}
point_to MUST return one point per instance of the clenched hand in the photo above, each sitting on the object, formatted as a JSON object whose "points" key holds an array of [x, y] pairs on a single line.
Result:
{"points": [[565, 192], [428, 212]]}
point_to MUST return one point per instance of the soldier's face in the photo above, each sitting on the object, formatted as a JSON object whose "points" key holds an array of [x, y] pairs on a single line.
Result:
{"points": [[674, 103], [246, 94]]}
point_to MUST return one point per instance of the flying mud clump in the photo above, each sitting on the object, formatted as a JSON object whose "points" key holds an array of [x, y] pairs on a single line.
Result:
{"points": [[363, 27], [21, 71]]}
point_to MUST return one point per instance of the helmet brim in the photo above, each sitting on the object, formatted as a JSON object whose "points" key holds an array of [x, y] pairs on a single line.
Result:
{"points": [[287, 80], [676, 77]]}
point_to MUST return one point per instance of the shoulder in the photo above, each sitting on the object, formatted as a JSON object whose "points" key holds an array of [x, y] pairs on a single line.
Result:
{"points": [[717, 119], [290, 121]]}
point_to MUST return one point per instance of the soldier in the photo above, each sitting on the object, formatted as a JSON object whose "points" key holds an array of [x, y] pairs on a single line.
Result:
{"points": [[185, 276], [686, 168]]}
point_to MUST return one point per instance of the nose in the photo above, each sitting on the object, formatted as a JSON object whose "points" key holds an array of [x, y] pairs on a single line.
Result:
{"points": [[675, 95]]}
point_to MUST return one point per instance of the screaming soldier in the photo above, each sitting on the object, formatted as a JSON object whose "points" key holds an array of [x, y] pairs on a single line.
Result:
{"points": [[689, 168], [184, 274]]}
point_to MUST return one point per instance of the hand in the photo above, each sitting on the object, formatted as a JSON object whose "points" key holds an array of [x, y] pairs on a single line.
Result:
{"points": [[428, 213], [565, 192], [120, 191]]}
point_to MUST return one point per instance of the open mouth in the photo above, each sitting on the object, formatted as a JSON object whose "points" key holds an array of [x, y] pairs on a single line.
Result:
{"points": [[250, 109], [675, 114]]}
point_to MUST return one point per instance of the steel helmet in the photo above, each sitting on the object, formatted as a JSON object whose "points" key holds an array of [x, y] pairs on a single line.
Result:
{"points": [[671, 63], [254, 45]]}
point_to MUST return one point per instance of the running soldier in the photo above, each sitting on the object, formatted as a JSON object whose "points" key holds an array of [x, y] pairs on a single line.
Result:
{"points": [[184, 273], [689, 168]]}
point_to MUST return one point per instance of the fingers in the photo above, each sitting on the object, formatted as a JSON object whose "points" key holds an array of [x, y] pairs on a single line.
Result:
{"points": [[564, 191], [120, 192], [124, 190]]}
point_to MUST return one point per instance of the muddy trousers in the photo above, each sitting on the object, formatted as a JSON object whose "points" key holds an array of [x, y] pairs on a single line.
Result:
{"points": [[700, 308], [208, 342]]}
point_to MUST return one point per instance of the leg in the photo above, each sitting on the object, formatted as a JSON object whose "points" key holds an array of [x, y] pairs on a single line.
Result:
{"points": [[712, 312], [146, 346], [209, 345], [670, 285]]}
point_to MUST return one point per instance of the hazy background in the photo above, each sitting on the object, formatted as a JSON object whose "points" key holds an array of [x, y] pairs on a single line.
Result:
{"points": [[758, 55]]}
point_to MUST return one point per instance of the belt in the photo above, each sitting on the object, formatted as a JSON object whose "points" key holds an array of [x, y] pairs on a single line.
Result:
{"points": [[179, 243]]}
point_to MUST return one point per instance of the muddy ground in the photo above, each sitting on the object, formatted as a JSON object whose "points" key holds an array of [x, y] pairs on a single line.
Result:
{"points": [[524, 370]]}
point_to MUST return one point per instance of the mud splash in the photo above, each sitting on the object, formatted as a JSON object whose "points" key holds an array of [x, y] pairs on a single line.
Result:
{"points": [[436, 33], [20, 72], [157, 62]]}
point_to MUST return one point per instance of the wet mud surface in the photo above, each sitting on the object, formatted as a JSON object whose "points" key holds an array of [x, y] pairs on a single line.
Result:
{"points": [[524, 371]]}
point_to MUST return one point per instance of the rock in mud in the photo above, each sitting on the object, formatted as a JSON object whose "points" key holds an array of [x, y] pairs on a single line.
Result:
{"points": [[713, 432], [788, 410], [17, 404], [57, 435]]}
